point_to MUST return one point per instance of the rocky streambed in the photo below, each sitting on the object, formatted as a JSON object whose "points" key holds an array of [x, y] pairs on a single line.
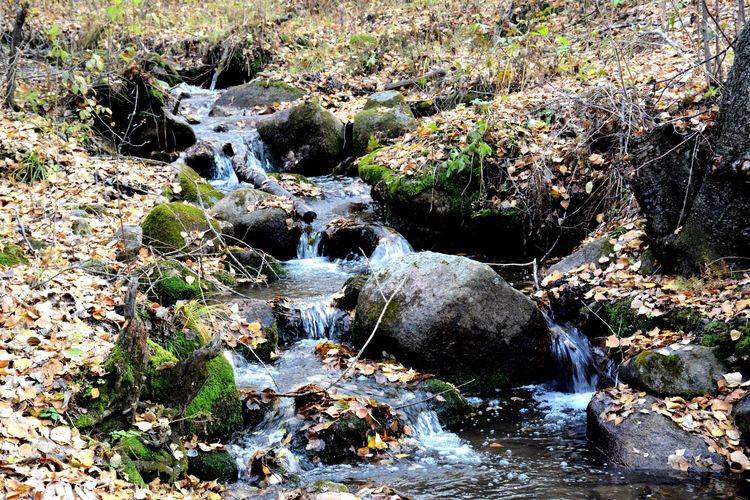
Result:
{"points": [[522, 430]]}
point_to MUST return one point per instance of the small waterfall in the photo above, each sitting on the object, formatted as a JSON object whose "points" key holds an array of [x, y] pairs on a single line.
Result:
{"points": [[226, 177], [318, 319], [309, 245], [391, 246], [573, 352], [433, 438]]}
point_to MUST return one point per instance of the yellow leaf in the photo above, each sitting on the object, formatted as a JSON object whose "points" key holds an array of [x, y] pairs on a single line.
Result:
{"points": [[94, 393]]}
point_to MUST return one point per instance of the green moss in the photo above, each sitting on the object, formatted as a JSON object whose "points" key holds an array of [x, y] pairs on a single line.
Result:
{"points": [[173, 282], [213, 466], [709, 341], [195, 189], [458, 190], [144, 462], [742, 348], [325, 486], [164, 223], [12, 255], [658, 369], [84, 421], [181, 345], [159, 381], [451, 405], [131, 472], [226, 278], [217, 409]]}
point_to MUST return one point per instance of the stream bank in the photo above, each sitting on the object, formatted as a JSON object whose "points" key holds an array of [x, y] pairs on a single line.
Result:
{"points": [[523, 442]]}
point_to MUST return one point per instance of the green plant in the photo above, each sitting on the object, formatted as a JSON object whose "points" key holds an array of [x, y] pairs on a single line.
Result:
{"points": [[32, 168], [51, 413]]}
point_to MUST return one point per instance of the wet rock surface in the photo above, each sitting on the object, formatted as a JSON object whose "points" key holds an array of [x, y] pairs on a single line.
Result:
{"points": [[665, 372], [308, 139], [646, 440], [265, 227], [456, 317]]}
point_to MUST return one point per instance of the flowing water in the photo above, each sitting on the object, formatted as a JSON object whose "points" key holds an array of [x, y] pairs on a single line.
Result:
{"points": [[526, 443]]}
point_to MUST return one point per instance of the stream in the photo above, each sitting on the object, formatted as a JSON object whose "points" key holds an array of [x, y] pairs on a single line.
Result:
{"points": [[529, 442]]}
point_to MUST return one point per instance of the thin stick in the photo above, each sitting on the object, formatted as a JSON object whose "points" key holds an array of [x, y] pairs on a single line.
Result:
{"points": [[454, 388]]}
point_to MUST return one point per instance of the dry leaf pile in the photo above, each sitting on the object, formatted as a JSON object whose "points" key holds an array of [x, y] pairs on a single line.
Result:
{"points": [[338, 357]]}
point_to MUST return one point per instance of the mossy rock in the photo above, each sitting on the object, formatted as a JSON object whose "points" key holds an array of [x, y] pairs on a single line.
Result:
{"points": [[213, 466], [263, 350], [164, 224], [260, 92], [386, 99], [325, 486], [622, 318], [12, 255], [448, 403], [144, 463], [686, 373], [195, 189], [377, 124], [82, 227], [216, 412], [718, 334], [226, 279], [313, 135], [172, 282], [89, 409], [252, 262], [159, 380]]}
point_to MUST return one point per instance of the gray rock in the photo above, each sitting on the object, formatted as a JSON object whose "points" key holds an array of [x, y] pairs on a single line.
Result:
{"points": [[379, 124], [351, 239], [252, 262], [201, 157], [454, 317], [741, 414], [308, 138], [260, 92], [265, 228], [130, 236], [589, 253], [386, 99], [686, 373], [644, 441], [82, 227]]}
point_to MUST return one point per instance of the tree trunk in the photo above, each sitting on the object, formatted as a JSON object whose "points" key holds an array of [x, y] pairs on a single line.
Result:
{"points": [[697, 205], [21, 9]]}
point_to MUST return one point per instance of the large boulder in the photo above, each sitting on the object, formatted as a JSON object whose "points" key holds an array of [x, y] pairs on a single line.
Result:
{"points": [[645, 439], [309, 139], [454, 317], [260, 92], [379, 123], [258, 220], [178, 227], [665, 372]]}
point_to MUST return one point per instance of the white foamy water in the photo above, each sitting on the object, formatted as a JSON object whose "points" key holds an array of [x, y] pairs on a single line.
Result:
{"points": [[390, 248], [433, 440]]}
